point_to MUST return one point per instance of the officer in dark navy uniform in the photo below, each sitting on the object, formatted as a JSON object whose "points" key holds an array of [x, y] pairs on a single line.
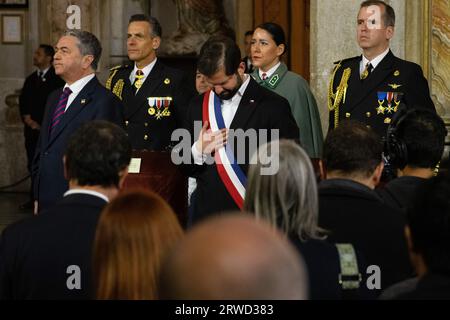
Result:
{"points": [[155, 96], [370, 88]]}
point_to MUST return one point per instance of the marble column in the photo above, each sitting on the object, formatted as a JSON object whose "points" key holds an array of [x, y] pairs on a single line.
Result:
{"points": [[440, 57]]}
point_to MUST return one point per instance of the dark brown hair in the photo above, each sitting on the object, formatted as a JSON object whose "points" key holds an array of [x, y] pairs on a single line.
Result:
{"points": [[389, 13]]}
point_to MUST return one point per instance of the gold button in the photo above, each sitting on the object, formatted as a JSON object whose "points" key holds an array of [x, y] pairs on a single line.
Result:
{"points": [[146, 137], [368, 114], [347, 115], [146, 124], [126, 123]]}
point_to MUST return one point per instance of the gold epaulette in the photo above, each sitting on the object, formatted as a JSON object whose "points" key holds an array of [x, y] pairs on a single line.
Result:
{"points": [[112, 73], [118, 67], [343, 61]]}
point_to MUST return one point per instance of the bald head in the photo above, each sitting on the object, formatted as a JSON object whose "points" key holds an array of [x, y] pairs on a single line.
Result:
{"points": [[234, 257]]}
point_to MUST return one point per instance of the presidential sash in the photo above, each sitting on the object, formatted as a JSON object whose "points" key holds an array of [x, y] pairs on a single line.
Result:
{"points": [[229, 171]]}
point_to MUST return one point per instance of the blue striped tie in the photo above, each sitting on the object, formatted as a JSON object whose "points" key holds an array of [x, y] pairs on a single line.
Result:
{"points": [[60, 109]]}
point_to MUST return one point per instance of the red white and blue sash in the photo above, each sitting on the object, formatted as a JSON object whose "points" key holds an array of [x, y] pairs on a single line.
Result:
{"points": [[229, 171]]}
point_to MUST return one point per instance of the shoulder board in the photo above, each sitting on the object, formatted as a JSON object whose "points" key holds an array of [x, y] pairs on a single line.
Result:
{"points": [[347, 60], [118, 67]]}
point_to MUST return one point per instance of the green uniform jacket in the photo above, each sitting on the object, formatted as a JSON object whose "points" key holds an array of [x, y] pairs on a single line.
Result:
{"points": [[303, 105]]}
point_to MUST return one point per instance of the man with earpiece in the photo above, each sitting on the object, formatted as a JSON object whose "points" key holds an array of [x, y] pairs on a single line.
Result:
{"points": [[414, 146]]}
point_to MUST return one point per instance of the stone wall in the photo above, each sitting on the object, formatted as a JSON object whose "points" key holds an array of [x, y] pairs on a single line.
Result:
{"points": [[13, 69], [13, 162]]}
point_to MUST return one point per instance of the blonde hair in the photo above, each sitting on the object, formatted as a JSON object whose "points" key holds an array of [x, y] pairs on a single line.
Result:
{"points": [[288, 199], [134, 233]]}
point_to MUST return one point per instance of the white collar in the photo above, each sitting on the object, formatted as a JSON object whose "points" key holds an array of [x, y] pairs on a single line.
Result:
{"points": [[269, 72], [44, 72], [78, 85], [89, 192], [375, 61], [146, 70]]}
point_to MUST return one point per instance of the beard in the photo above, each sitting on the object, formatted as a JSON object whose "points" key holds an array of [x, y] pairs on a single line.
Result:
{"points": [[228, 94]]}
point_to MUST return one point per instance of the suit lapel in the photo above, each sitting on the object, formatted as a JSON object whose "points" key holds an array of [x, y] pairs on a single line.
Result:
{"points": [[354, 83], [51, 106], [151, 83], [80, 102], [128, 92], [50, 74], [380, 73], [246, 107]]}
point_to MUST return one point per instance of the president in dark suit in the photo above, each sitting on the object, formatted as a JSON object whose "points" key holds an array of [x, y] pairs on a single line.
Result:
{"points": [[34, 94], [81, 100], [370, 88], [49, 256], [239, 103], [155, 96]]}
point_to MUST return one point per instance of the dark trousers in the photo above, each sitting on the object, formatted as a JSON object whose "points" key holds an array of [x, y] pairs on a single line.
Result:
{"points": [[31, 140]]}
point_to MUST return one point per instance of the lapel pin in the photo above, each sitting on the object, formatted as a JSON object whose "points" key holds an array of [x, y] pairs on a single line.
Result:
{"points": [[83, 101], [167, 81], [396, 73], [252, 101]]}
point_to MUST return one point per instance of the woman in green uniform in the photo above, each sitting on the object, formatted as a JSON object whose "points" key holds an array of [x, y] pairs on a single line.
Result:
{"points": [[268, 45]]}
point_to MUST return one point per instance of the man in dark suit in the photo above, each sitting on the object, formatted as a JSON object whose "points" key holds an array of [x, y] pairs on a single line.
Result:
{"points": [[247, 45], [33, 97], [82, 99], [240, 104], [350, 209], [49, 256], [370, 88], [155, 96]]}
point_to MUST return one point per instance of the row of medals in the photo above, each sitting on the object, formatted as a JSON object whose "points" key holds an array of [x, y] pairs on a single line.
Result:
{"points": [[156, 102]]}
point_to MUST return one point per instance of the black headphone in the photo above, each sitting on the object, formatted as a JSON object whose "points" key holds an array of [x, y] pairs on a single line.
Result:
{"points": [[395, 148]]}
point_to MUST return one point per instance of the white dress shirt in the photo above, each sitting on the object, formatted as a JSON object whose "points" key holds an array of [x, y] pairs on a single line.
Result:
{"points": [[375, 61], [43, 72], [89, 192], [229, 108], [146, 70], [76, 88], [269, 72]]}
